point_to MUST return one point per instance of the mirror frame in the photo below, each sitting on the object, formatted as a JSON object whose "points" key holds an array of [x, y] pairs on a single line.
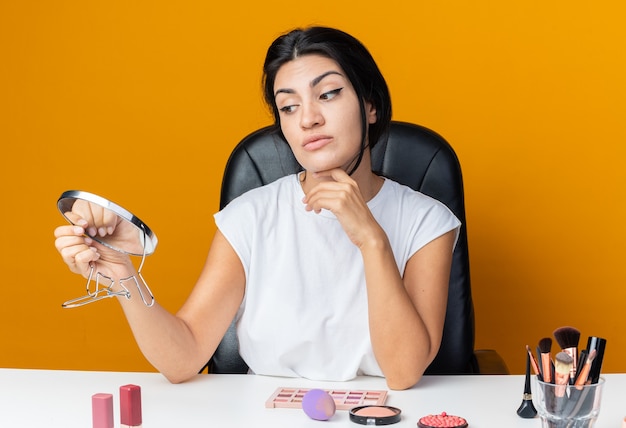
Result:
{"points": [[145, 231]]}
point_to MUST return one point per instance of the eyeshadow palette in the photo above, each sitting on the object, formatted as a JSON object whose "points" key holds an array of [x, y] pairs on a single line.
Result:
{"points": [[345, 399]]}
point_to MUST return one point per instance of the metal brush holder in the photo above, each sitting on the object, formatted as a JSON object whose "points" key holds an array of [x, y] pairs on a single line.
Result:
{"points": [[131, 236]]}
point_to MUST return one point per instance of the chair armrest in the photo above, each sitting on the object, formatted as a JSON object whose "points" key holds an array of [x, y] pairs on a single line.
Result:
{"points": [[488, 361]]}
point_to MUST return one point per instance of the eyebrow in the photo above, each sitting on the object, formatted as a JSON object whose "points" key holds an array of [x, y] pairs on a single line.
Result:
{"points": [[313, 83]]}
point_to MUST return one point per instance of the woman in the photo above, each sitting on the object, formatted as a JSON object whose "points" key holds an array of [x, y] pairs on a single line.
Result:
{"points": [[331, 273]]}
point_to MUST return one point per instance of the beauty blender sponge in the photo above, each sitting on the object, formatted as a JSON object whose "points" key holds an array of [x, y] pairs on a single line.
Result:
{"points": [[318, 405]]}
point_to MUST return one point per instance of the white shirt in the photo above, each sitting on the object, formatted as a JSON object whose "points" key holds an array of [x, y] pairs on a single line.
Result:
{"points": [[304, 313]]}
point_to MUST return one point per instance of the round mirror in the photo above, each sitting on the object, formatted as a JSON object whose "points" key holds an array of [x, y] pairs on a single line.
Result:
{"points": [[109, 224]]}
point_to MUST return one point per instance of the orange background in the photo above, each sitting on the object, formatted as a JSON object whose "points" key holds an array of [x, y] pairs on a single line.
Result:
{"points": [[142, 102]]}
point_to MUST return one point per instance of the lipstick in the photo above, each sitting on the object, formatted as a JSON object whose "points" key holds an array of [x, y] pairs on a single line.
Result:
{"points": [[130, 406], [102, 410]]}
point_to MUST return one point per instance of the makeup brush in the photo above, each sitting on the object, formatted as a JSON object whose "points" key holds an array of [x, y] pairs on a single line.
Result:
{"points": [[598, 344], [579, 397], [585, 397], [583, 374], [527, 410], [567, 338], [533, 361], [539, 364], [545, 346], [582, 359], [562, 368]]}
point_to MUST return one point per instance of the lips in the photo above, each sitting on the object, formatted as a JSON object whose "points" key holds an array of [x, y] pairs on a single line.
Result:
{"points": [[316, 142]]}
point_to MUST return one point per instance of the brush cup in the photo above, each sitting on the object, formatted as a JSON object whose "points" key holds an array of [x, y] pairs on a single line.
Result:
{"points": [[567, 406]]}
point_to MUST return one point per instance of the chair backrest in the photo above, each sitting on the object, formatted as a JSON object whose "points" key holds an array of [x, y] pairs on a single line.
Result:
{"points": [[412, 155]]}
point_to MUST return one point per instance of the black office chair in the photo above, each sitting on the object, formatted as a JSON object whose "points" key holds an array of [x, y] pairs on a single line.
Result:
{"points": [[414, 156]]}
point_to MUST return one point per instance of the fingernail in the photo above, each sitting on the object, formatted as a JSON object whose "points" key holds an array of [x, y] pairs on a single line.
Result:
{"points": [[78, 230], [92, 231], [102, 231]]}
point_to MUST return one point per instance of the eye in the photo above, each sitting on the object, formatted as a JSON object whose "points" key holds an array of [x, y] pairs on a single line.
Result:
{"points": [[288, 109], [330, 94]]}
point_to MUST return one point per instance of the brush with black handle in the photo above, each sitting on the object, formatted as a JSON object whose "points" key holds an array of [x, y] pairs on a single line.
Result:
{"points": [[599, 344]]}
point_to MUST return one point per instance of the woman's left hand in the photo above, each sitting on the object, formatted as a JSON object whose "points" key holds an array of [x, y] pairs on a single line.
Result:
{"points": [[338, 193]]}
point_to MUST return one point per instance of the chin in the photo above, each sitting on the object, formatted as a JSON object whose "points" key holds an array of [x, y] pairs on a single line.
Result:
{"points": [[326, 165]]}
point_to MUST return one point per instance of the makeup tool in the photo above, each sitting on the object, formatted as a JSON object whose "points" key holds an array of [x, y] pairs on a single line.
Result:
{"points": [[585, 367], [533, 361], [344, 399], [577, 395], [375, 415], [442, 420], [571, 389], [599, 344], [562, 368], [547, 367], [130, 406], [581, 398], [102, 410], [318, 405], [527, 410], [131, 236], [582, 357], [567, 338]]}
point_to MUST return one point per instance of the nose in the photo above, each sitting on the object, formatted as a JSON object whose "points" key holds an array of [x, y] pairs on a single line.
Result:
{"points": [[311, 115]]}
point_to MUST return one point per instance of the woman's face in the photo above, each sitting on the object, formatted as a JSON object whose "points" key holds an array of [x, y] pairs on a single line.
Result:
{"points": [[319, 113]]}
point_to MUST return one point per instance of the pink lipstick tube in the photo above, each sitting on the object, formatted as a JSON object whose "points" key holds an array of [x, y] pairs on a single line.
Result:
{"points": [[102, 410], [130, 406]]}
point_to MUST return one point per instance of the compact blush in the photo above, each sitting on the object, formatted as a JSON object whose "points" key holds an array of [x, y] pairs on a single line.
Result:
{"points": [[442, 420], [375, 415]]}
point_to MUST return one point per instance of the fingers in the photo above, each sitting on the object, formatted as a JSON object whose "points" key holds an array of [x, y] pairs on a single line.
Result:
{"points": [[336, 190], [98, 221], [340, 194], [328, 198], [75, 248]]}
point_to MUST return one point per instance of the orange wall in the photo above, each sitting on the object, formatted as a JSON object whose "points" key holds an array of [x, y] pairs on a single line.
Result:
{"points": [[142, 102]]}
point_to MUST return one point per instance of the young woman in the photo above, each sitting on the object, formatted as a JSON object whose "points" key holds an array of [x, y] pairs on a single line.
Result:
{"points": [[331, 273]]}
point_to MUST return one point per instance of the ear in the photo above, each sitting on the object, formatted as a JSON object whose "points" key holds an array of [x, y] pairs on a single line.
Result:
{"points": [[370, 112]]}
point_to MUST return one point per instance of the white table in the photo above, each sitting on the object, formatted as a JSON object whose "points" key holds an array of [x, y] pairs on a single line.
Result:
{"points": [[49, 398]]}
